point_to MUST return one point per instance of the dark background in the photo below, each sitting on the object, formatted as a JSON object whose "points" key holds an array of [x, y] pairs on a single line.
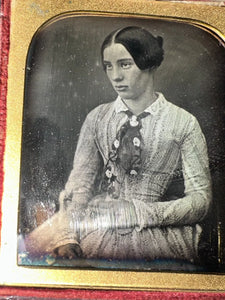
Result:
{"points": [[65, 80]]}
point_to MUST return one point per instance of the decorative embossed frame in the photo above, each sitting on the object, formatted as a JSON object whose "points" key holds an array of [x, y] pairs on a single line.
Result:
{"points": [[27, 17]]}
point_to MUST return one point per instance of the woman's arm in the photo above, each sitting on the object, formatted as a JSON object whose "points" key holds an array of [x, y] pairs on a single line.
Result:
{"points": [[87, 165], [79, 189], [194, 206]]}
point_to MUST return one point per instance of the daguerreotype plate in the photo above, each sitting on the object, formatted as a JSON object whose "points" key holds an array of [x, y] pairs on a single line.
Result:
{"points": [[114, 163]]}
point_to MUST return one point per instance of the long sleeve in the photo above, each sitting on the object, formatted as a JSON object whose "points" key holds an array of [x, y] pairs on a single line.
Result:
{"points": [[81, 184], [194, 206]]}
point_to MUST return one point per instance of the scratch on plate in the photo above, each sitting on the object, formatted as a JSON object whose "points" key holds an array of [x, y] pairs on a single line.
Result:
{"points": [[36, 7]]}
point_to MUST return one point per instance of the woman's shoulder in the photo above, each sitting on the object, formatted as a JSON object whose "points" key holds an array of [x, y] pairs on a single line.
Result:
{"points": [[181, 113], [181, 120], [100, 110], [187, 126], [173, 109]]}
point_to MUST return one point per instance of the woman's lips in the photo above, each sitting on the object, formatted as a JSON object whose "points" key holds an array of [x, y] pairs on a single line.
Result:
{"points": [[121, 88]]}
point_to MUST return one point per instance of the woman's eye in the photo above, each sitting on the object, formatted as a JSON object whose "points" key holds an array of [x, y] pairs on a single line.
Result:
{"points": [[126, 65], [108, 67]]}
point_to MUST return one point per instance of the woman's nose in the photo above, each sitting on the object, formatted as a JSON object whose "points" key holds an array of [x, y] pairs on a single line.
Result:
{"points": [[116, 74]]}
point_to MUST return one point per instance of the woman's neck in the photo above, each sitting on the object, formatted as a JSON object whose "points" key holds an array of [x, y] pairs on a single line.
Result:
{"points": [[138, 105], [145, 99]]}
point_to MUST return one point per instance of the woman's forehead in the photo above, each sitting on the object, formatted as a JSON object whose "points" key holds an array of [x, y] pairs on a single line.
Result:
{"points": [[116, 51]]}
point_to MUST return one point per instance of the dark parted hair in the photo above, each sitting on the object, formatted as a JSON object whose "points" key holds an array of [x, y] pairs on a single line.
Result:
{"points": [[145, 49]]}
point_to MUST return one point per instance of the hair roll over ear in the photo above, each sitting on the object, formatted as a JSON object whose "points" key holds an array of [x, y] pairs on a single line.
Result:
{"points": [[145, 49]]}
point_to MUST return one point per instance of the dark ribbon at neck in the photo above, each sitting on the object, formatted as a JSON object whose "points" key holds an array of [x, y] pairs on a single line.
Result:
{"points": [[138, 117], [125, 153], [127, 147]]}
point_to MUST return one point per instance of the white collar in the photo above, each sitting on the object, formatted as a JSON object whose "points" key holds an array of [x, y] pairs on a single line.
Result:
{"points": [[153, 109]]}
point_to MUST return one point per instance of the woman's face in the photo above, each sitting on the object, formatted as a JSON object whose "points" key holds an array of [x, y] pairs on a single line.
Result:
{"points": [[127, 79]]}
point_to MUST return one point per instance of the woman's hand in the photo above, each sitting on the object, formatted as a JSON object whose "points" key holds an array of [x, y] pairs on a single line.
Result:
{"points": [[69, 251]]}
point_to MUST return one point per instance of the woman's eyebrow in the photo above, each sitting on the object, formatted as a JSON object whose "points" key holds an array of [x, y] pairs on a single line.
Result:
{"points": [[125, 59], [119, 60]]}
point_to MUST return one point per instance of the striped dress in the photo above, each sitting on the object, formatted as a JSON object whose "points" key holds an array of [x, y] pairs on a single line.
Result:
{"points": [[142, 220]]}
